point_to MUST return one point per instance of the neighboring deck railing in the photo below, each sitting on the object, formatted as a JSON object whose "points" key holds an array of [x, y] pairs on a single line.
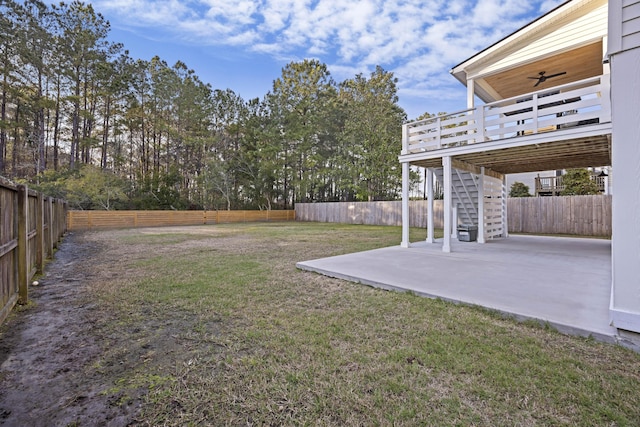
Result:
{"points": [[581, 103], [554, 185]]}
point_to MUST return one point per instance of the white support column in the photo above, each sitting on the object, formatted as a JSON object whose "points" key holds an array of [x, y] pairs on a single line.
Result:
{"points": [[430, 238], [471, 89], [454, 221], [505, 225], [481, 206], [446, 163], [405, 205]]}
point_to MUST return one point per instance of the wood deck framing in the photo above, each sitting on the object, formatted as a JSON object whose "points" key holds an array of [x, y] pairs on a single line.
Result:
{"points": [[525, 154], [568, 126]]}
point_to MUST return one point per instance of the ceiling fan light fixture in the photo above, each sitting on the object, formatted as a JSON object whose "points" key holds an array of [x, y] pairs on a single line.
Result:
{"points": [[542, 77]]}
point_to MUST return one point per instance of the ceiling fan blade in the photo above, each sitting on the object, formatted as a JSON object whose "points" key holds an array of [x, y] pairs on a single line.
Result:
{"points": [[556, 74], [537, 83], [534, 78]]}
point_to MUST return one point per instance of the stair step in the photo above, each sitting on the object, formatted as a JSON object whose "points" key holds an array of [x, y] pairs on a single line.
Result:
{"points": [[465, 194]]}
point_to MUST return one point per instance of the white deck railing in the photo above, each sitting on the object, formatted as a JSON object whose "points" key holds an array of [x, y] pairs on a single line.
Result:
{"points": [[581, 103]]}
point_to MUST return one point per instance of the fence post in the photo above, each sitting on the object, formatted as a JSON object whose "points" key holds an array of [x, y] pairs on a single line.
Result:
{"points": [[52, 227], [40, 250], [64, 208], [23, 244], [69, 217]]}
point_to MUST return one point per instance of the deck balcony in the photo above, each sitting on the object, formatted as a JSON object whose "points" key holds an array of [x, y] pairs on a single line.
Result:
{"points": [[579, 112], [554, 185]]}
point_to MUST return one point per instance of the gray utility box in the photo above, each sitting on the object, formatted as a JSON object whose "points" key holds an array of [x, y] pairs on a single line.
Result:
{"points": [[467, 233]]}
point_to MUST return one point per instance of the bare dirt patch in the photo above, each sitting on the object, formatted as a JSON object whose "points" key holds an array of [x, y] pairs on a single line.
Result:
{"points": [[47, 350], [65, 357], [69, 358]]}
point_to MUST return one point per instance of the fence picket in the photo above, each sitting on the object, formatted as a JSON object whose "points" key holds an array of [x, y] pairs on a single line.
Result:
{"points": [[30, 227], [578, 215], [90, 220]]}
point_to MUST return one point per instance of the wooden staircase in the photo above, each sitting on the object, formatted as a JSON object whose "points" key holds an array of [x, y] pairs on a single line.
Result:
{"points": [[464, 186]]}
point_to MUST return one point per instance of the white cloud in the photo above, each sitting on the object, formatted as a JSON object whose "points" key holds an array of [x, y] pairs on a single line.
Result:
{"points": [[144, 12], [276, 17], [420, 40], [547, 5], [488, 13], [238, 12]]}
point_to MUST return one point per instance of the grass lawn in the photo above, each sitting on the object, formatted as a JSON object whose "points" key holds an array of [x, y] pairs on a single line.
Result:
{"points": [[220, 328]]}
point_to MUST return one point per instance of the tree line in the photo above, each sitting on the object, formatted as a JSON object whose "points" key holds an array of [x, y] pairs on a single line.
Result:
{"points": [[81, 119]]}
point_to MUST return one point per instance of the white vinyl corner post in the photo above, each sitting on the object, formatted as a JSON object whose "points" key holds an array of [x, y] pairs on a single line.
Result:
{"points": [[625, 242], [446, 164], [405, 205], [481, 238], [505, 223]]}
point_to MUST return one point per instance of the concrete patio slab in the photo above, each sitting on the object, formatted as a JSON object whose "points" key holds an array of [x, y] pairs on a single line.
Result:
{"points": [[563, 281]]}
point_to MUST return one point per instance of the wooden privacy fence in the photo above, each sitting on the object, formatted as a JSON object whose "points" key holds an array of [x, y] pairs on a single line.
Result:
{"points": [[91, 220], [31, 225], [579, 215], [370, 213]]}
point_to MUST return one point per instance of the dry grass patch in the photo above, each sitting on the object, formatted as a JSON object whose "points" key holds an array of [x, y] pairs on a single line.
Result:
{"points": [[222, 329]]}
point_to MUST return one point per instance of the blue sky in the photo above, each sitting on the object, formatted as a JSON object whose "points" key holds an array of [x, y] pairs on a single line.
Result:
{"points": [[244, 44]]}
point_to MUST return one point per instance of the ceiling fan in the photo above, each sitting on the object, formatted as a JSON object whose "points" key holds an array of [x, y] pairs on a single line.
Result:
{"points": [[543, 78]]}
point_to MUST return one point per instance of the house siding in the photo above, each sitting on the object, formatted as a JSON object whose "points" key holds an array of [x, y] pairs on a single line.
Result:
{"points": [[630, 24], [624, 26]]}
